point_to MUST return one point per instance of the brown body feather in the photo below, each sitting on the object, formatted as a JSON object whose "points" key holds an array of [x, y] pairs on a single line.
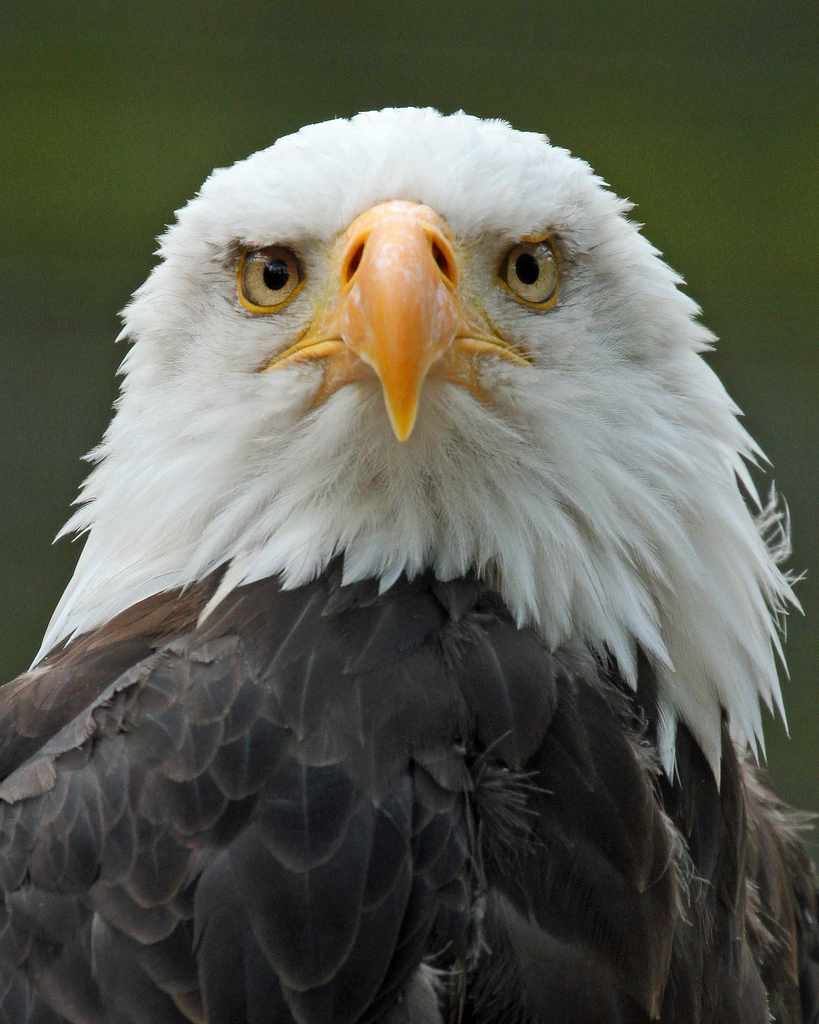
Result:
{"points": [[301, 807]]}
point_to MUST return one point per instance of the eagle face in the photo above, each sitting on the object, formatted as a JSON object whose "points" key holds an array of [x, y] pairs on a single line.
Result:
{"points": [[429, 342]]}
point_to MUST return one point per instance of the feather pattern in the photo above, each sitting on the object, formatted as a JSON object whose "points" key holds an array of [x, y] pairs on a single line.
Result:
{"points": [[325, 803]]}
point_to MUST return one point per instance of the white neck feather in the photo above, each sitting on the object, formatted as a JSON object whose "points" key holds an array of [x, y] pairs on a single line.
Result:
{"points": [[691, 581]]}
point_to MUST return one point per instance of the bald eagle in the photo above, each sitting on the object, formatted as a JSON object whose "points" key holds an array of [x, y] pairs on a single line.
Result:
{"points": [[411, 670]]}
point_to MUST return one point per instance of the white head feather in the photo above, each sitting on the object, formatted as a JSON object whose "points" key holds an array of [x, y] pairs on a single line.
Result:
{"points": [[600, 489]]}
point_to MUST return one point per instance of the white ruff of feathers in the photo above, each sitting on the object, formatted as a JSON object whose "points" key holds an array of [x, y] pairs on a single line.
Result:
{"points": [[600, 491]]}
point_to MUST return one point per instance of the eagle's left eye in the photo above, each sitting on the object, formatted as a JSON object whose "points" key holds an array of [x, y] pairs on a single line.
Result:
{"points": [[268, 278], [530, 272]]}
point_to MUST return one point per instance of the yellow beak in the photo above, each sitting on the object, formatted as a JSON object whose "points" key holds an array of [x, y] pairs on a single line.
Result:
{"points": [[398, 312]]}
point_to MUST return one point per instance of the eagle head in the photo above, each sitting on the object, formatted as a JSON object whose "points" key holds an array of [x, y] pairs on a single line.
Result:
{"points": [[427, 342]]}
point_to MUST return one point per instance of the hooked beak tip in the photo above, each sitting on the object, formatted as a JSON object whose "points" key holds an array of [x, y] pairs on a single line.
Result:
{"points": [[403, 418]]}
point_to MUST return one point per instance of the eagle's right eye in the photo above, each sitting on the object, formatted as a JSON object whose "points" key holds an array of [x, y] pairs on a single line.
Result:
{"points": [[268, 278]]}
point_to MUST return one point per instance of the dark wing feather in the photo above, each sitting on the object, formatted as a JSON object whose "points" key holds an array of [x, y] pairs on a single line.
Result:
{"points": [[282, 813], [37, 704]]}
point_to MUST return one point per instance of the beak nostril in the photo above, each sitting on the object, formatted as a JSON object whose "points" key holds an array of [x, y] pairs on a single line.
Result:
{"points": [[353, 263], [444, 263]]}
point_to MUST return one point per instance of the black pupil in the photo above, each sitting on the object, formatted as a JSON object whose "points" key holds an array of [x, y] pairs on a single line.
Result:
{"points": [[526, 267], [276, 274]]}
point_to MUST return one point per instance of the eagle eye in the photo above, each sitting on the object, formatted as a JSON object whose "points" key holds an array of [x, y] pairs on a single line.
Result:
{"points": [[530, 272], [268, 278]]}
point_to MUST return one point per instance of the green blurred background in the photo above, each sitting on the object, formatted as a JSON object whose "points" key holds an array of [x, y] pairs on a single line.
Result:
{"points": [[112, 114]]}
